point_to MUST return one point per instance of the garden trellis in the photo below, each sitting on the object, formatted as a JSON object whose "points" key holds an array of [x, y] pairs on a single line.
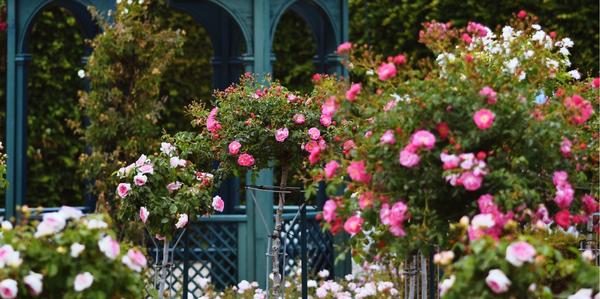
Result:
{"points": [[234, 244]]}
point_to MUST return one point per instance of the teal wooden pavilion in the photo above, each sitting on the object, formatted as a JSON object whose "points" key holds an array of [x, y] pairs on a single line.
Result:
{"points": [[226, 248]]}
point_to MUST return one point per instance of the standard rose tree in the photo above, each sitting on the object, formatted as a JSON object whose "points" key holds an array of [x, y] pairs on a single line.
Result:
{"points": [[498, 117], [68, 255]]}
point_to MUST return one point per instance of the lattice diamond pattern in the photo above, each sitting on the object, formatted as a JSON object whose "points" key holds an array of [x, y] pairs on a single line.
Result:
{"points": [[319, 246]]}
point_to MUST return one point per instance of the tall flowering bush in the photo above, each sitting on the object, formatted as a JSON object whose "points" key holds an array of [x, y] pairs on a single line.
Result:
{"points": [[68, 255], [496, 115], [164, 191]]}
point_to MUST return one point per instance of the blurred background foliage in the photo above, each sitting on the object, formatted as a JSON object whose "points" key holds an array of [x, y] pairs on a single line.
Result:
{"points": [[390, 26]]}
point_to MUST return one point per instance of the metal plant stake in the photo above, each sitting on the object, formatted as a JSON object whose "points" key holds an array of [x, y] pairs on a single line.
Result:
{"points": [[162, 269]]}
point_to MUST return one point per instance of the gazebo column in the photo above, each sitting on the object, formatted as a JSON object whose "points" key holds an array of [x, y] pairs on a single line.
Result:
{"points": [[16, 131]]}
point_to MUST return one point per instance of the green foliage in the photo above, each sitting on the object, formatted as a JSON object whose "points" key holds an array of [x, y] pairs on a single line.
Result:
{"points": [[393, 26], [124, 105], [51, 256], [557, 270]]}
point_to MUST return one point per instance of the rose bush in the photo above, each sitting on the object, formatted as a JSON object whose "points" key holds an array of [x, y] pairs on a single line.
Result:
{"points": [[68, 255], [497, 114], [164, 191]]}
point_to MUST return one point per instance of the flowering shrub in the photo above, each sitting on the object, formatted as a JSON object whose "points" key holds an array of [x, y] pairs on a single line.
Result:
{"points": [[534, 265], [67, 255], [496, 113], [254, 123], [3, 182], [164, 191], [375, 284]]}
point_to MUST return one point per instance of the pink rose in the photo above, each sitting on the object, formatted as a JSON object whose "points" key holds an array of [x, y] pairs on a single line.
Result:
{"points": [[520, 252], [212, 125], [490, 94], [218, 204], [140, 179], [329, 210], [353, 225], [8, 289], [564, 195], [174, 186], [386, 71], [325, 120], [144, 214], [450, 161], [175, 162], [470, 181], [344, 48], [281, 134], [596, 83], [314, 133], [357, 171], [34, 284], [330, 169], [314, 156], [144, 169], [422, 138], [486, 204], [388, 137], [245, 160], [134, 260], [123, 189], [590, 204], [565, 147], [366, 199], [329, 107], [563, 219], [353, 92], [181, 221], [559, 177], [312, 146], [497, 281], [299, 118], [110, 247], [384, 214], [408, 158], [83, 281], [234, 147], [484, 118]]}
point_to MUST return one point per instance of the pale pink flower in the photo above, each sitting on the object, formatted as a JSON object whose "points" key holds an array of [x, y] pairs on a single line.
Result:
{"points": [[9, 257], [123, 189], [134, 260], [83, 281], [486, 204], [140, 179], [76, 249], [110, 247], [353, 92], [329, 210], [144, 214], [408, 158], [325, 120], [142, 160], [70, 213], [175, 162], [390, 105], [520, 252], [357, 171], [386, 71], [450, 161], [353, 224], [314, 133], [174, 186], [281, 134], [51, 224], [482, 221], [245, 160], [344, 48], [329, 107], [33, 281], [182, 221], [167, 148], [490, 94], [388, 137], [484, 118], [470, 181], [212, 125], [8, 289], [299, 118], [583, 294], [146, 168], [422, 138], [368, 134], [590, 204], [218, 204], [565, 147], [497, 281], [446, 285], [330, 169], [366, 200]]}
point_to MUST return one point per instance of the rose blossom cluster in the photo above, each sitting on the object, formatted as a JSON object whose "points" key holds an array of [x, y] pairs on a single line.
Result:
{"points": [[490, 221], [315, 145], [409, 155], [393, 217], [467, 169]]}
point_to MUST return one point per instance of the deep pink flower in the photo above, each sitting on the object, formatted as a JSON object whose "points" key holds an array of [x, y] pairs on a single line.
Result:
{"points": [[408, 158], [329, 107], [559, 177], [490, 95], [344, 48], [590, 204], [565, 147], [234, 147], [299, 118], [398, 213], [386, 71], [329, 210], [314, 133], [314, 156], [281, 134], [330, 169], [357, 171], [563, 219], [581, 109], [212, 125], [245, 160], [312, 146], [596, 83], [520, 252], [564, 195], [388, 137], [325, 120], [522, 14], [486, 204], [348, 146], [470, 181], [422, 138], [218, 204], [484, 118], [450, 161], [353, 92], [353, 225], [400, 59], [466, 38], [477, 29]]}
